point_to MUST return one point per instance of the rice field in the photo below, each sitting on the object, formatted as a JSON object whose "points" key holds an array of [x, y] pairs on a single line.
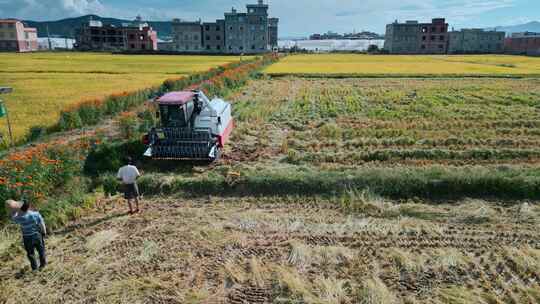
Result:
{"points": [[45, 83], [345, 191], [344, 250], [355, 122], [392, 65]]}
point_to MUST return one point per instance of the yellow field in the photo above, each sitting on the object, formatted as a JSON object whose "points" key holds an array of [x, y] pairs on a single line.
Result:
{"points": [[406, 65], [44, 83]]}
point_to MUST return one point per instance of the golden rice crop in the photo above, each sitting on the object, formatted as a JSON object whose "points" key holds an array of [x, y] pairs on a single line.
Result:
{"points": [[44, 83], [370, 65]]}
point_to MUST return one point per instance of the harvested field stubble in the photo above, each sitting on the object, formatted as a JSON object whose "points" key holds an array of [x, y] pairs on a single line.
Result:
{"points": [[283, 249]]}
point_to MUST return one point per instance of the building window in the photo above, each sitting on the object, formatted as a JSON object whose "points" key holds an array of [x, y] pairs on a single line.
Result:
{"points": [[432, 38], [230, 47], [441, 46], [241, 19], [424, 38], [218, 28], [207, 37], [423, 47], [208, 47], [433, 29], [132, 46], [218, 37], [231, 28], [441, 38], [143, 46], [424, 29], [253, 47], [186, 37], [251, 10], [207, 27], [241, 28], [218, 47], [241, 48], [196, 37], [11, 25]]}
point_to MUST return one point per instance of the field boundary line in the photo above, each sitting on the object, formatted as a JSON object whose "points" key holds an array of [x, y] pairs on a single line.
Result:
{"points": [[417, 76]]}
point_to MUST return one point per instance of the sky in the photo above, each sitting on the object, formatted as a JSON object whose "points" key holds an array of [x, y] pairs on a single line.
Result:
{"points": [[297, 17]]}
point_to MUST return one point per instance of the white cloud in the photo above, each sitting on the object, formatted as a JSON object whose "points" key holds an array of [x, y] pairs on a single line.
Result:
{"points": [[49, 9], [82, 6]]}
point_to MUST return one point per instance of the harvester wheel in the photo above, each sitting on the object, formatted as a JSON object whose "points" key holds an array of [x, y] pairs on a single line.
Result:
{"points": [[218, 154]]}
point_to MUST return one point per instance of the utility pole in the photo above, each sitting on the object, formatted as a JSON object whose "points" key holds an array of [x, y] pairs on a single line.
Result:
{"points": [[4, 111], [49, 38]]}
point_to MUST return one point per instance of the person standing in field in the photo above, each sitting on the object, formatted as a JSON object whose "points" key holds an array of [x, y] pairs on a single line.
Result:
{"points": [[128, 175], [33, 232]]}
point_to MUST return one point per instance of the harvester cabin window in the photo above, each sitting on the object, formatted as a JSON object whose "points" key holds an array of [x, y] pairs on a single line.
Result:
{"points": [[173, 116]]}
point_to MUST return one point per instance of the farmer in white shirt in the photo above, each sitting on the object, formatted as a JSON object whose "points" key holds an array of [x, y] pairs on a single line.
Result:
{"points": [[128, 176]]}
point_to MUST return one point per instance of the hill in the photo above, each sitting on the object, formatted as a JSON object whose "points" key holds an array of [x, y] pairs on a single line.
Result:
{"points": [[533, 26], [67, 27]]}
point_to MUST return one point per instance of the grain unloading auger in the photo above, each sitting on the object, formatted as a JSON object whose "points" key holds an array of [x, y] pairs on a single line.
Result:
{"points": [[192, 127]]}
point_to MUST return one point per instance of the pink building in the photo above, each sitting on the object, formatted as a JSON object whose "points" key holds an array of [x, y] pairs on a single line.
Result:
{"points": [[15, 37], [523, 44]]}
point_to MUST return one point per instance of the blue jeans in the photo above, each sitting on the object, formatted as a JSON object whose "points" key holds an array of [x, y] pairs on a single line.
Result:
{"points": [[31, 244]]}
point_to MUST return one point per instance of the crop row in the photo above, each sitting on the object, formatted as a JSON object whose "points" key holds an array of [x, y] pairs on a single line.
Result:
{"points": [[351, 121], [351, 157], [454, 143]]}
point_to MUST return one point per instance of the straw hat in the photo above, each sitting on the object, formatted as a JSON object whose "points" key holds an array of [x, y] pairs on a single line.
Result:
{"points": [[13, 204]]}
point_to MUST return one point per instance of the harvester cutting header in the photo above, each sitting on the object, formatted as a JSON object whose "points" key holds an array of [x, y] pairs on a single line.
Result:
{"points": [[191, 127]]}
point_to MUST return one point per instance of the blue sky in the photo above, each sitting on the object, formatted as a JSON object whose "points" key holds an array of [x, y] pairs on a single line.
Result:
{"points": [[298, 17]]}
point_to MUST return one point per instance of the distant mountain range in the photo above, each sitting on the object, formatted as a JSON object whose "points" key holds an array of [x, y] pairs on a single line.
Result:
{"points": [[67, 27], [533, 26]]}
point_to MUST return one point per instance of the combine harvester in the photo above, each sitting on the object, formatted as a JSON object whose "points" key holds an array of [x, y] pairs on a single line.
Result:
{"points": [[191, 127]]}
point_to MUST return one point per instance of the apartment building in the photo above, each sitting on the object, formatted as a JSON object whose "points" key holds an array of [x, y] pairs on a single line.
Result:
{"points": [[476, 41], [249, 32], [273, 32], [413, 37], [187, 36], [16, 37], [213, 35], [135, 36], [526, 43]]}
